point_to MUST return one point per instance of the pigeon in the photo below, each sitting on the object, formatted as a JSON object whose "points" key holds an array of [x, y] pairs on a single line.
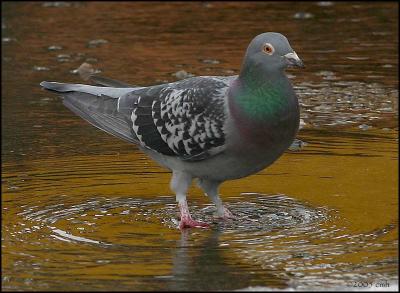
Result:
{"points": [[208, 128]]}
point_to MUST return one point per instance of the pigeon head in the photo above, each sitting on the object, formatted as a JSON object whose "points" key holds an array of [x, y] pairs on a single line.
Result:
{"points": [[270, 53]]}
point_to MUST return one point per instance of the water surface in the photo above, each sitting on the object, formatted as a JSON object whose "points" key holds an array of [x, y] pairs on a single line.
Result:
{"points": [[83, 210]]}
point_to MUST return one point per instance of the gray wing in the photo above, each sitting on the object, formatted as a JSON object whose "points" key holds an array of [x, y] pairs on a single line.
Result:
{"points": [[183, 119]]}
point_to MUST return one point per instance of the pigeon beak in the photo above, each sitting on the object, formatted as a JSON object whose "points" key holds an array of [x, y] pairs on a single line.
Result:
{"points": [[293, 60]]}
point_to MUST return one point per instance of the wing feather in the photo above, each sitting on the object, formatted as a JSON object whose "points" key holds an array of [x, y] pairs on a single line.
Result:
{"points": [[188, 116]]}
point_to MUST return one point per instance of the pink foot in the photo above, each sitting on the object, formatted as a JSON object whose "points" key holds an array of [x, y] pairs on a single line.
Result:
{"points": [[186, 219], [227, 215], [190, 223]]}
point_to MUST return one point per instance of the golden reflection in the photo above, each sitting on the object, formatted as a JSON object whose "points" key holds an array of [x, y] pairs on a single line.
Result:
{"points": [[84, 211]]}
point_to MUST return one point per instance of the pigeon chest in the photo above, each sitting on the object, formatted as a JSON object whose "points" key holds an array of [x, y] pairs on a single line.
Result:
{"points": [[265, 118]]}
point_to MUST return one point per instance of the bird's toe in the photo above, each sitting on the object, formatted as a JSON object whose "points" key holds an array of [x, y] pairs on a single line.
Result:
{"points": [[226, 215], [190, 223]]}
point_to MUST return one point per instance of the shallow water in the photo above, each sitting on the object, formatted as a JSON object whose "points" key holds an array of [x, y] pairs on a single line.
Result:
{"points": [[82, 210]]}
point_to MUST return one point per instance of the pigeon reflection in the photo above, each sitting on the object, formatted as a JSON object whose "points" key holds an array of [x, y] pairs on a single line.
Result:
{"points": [[208, 266]]}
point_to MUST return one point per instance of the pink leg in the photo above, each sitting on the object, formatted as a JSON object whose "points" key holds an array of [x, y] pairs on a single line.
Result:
{"points": [[180, 183], [186, 218]]}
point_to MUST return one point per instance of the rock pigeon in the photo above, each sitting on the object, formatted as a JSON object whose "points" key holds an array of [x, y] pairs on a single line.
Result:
{"points": [[209, 128]]}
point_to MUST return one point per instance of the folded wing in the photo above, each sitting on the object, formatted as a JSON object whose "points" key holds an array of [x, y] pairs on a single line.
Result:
{"points": [[184, 119]]}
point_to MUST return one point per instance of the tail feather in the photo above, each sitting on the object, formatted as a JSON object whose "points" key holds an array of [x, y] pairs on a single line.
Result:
{"points": [[89, 89], [58, 86], [98, 109]]}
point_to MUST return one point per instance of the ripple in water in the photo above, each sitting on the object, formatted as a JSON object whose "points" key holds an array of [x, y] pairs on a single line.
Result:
{"points": [[279, 234], [261, 213]]}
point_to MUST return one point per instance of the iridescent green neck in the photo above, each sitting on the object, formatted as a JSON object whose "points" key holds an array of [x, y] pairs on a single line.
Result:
{"points": [[260, 97]]}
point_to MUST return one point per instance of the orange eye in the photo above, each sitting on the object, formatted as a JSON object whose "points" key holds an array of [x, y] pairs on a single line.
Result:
{"points": [[267, 48]]}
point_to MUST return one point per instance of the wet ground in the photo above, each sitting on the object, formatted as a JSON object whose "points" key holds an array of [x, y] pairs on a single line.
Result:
{"points": [[82, 210]]}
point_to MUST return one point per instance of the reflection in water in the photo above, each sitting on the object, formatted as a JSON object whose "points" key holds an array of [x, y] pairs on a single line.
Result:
{"points": [[81, 209], [285, 243], [203, 269], [203, 261], [207, 266]]}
